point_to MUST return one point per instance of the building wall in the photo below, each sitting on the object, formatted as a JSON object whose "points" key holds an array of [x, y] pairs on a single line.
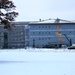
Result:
{"points": [[42, 34], [16, 37], [37, 34]]}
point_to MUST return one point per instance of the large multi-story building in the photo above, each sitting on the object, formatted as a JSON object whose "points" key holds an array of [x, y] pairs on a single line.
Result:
{"points": [[51, 34], [37, 34]]}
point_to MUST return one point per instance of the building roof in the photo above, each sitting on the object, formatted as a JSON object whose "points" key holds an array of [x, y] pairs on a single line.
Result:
{"points": [[19, 23], [50, 23]]}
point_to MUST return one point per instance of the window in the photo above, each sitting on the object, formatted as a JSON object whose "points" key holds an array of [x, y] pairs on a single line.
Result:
{"points": [[49, 26], [1, 39], [58, 27], [21, 33], [33, 26], [39, 38], [42, 38], [1, 33], [49, 38], [45, 32], [39, 32], [42, 32], [59, 33], [42, 26], [5, 27], [49, 32], [45, 26], [33, 32], [61, 39], [39, 27]]}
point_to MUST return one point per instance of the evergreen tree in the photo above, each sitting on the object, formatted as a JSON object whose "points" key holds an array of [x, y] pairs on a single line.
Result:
{"points": [[7, 13]]}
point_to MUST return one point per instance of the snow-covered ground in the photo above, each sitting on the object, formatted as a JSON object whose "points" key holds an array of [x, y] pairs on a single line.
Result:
{"points": [[37, 62]]}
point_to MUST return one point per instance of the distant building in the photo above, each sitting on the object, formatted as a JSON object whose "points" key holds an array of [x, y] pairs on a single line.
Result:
{"points": [[34, 34], [51, 34]]}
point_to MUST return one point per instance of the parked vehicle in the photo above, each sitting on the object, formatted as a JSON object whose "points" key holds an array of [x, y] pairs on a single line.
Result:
{"points": [[72, 47]]}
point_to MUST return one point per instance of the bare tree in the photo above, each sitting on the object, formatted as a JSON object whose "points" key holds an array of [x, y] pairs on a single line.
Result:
{"points": [[7, 13]]}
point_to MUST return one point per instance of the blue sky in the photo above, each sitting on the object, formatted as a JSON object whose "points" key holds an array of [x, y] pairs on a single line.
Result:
{"points": [[43, 9]]}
